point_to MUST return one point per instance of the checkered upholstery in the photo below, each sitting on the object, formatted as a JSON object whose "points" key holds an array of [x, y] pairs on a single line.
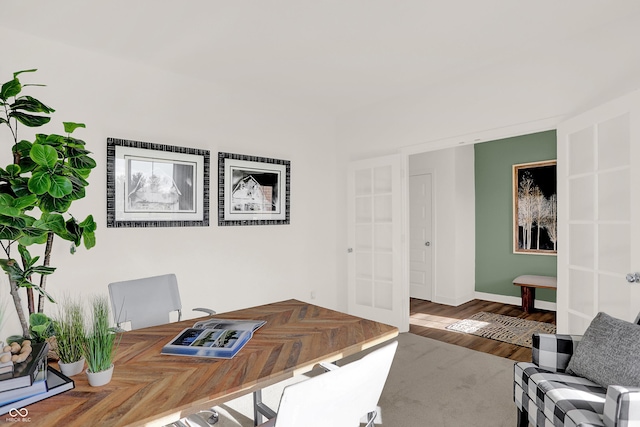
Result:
{"points": [[553, 351], [549, 396]]}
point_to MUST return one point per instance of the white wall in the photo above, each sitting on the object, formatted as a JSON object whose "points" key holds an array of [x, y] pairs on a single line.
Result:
{"points": [[454, 221], [223, 268]]}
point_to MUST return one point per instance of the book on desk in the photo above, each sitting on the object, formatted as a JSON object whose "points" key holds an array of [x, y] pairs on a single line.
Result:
{"points": [[218, 338], [25, 373], [54, 383], [31, 381]]}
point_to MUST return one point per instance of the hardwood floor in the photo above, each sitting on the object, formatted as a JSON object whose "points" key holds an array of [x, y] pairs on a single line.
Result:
{"points": [[429, 319]]}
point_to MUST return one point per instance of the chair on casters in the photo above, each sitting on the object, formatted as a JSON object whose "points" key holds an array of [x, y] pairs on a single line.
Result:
{"points": [[340, 397], [148, 302]]}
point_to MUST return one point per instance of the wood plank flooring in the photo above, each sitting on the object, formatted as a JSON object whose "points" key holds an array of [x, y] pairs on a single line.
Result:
{"points": [[429, 319]]}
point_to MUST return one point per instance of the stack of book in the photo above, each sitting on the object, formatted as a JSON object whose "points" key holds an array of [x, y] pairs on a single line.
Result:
{"points": [[31, 381]]}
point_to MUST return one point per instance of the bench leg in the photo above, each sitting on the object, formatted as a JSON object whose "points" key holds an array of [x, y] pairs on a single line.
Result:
{"points": [[528, 298], [523, 418]]}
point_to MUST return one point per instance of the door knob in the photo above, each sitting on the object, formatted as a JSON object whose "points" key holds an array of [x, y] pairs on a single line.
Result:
{"points": [[427, 244], [633, 277]]}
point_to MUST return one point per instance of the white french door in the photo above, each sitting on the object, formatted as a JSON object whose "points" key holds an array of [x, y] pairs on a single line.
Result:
{"points": [[599, 214], [375, 253]]}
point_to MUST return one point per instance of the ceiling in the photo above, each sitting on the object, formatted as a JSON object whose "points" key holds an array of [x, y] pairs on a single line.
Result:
{"points": [[341, 55]]}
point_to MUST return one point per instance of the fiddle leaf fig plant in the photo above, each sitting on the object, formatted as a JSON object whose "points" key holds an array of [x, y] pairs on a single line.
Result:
{"points": [[36, 193]]}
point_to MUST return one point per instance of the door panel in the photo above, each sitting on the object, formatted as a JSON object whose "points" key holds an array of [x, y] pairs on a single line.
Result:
{"points": [[375, 251], [420, 236], [597, 211]]}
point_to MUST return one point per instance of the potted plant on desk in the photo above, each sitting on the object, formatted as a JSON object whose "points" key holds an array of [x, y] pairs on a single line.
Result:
{"points": [[100, 343], [69, 334]]}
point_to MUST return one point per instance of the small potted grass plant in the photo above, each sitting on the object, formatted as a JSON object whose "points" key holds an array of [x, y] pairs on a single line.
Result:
{"points": [[100, 343], [69, 331]]}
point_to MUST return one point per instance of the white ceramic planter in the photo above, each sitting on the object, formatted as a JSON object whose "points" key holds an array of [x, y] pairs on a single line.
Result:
{"points": [[96, 379], [73, 368]]}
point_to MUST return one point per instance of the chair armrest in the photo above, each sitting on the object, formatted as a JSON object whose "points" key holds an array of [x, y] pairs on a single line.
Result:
{"points": [[206, 310], [622, 406], [328, 366], [553, 351]]}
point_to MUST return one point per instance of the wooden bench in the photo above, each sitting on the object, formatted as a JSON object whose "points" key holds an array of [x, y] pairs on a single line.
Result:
{"points": [[528, 284]]}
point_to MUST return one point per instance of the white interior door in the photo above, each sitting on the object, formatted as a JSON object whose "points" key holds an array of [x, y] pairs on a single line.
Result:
{"points": [[420, 237], [375, 251], [599, 214]]}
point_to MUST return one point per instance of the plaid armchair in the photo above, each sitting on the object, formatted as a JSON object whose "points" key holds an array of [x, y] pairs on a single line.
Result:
{"points": [[546, 395]]}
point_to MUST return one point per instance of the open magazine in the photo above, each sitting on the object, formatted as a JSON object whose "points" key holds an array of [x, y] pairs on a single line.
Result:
{"points": [[221, 338]]}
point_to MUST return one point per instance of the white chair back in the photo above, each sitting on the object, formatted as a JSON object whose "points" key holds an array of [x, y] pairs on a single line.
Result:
{"points": [[145, 302], [340, 397]]}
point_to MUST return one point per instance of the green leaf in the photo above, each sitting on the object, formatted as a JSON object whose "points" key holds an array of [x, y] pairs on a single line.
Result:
{"points": [[51, 221], [69, 127], [17, 222], [89, 239], [78, 181], [44, 155], [9, 233], [13, 169], [74, 142], [82, 174], [51, 204], [22, 148], [82, 162], [17, 73], [13, 270], [39, 183], [33, 236], [74, 231], [6, 199], [60, 186], [52, 139], [30, 120], [76, 151], [10, 88], [26, 201], [9, 211], [30, 104], [26, 256], [43, 270], [89, 224], [20, 187]]}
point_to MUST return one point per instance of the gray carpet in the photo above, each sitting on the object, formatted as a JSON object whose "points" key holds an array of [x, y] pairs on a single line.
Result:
{"points": [[431, 383]]}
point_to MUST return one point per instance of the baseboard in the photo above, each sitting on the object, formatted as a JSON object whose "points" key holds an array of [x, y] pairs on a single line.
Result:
{"points": [[453, 301], [504, 299]]}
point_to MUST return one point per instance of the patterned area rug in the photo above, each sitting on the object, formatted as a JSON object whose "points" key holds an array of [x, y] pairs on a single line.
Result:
{"points": [[502, 328]]}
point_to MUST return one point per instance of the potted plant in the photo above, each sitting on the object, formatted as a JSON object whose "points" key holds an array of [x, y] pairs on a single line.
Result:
{"points": [[36, 191], [69, 332], [100, 343]]}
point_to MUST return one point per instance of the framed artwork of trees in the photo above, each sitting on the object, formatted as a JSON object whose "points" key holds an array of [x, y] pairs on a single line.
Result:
{"points": [[535, 215]]}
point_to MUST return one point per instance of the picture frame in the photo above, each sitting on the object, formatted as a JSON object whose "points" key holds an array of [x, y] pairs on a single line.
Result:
{"points": [[253, 190], [156, 185], [535, 212]]}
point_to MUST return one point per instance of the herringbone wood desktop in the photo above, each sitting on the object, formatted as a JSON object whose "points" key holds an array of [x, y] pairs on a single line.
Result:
{"points": [[148, 386]]}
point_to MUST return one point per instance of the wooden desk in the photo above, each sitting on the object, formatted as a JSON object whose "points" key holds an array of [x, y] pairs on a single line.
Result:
{"points": [[528, 284], [149, 388]]}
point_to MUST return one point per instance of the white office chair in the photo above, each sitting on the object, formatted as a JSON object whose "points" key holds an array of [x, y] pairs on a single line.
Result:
{"points": [[148, 302], [340, 397]]}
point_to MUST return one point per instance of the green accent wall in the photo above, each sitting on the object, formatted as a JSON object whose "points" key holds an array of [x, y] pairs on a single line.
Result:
{"points": [[496, 264]]}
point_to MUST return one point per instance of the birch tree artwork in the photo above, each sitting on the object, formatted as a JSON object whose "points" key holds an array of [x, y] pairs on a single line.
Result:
{"points": [[535, 208]]}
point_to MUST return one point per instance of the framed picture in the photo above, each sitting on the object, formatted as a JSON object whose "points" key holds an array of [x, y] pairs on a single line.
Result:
{"points": [[535, 214], [156, 185], [253, 190]]}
